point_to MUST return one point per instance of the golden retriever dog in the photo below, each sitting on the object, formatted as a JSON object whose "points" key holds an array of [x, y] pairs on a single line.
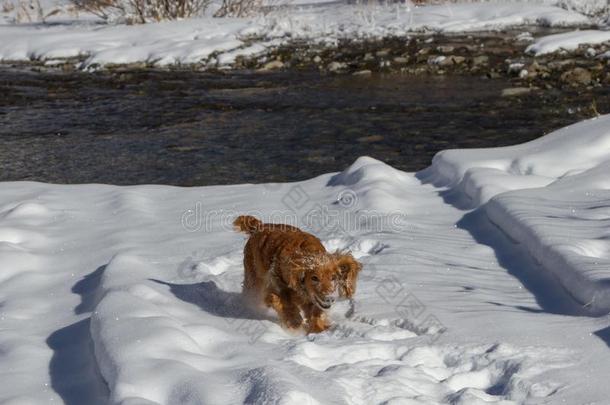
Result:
{"points": [[290, 271]]}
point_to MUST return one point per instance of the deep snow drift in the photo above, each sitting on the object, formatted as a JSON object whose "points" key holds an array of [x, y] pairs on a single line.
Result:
{"points": [[562, 217], [131, 294]]}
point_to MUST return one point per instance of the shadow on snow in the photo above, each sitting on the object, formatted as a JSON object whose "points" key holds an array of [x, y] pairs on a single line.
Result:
{"points": [[213, 300], [548, 292], [73, 368]]}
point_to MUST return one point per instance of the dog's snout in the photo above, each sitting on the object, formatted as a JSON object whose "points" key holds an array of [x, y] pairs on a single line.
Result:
{"points": [[331, 298], [326, 301]]}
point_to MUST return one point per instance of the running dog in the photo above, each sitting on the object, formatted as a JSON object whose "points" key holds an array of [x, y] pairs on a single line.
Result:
{"points": [[290, 271]]}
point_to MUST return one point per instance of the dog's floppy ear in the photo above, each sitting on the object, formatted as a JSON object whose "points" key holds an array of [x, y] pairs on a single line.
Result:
{"points": [[349, 269]]}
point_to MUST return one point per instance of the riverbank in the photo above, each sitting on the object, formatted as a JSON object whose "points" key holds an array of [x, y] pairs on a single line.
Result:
{"points": [[482, 54], [207, 42], [488, 54]]}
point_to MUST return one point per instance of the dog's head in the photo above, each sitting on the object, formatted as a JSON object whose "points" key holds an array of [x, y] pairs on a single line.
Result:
{"points": [[324, 278]]}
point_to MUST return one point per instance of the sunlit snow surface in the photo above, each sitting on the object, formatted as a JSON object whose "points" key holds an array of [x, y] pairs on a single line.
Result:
{"points": [[475, 275], [562, 217]]}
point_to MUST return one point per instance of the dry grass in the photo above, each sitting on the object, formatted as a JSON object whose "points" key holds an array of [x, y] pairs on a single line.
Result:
{"points": [[238, 8], [7, 6], [142, 11], [27, 10]]}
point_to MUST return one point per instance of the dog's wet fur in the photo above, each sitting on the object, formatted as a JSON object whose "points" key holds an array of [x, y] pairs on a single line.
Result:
{"points": [[290, 271]]}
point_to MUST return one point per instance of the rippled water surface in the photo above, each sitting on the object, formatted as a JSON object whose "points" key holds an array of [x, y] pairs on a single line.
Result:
{"points": [[189, 128]]}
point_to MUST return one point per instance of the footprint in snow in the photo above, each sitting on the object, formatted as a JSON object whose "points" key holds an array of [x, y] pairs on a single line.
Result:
{"points": [[386, 372]]}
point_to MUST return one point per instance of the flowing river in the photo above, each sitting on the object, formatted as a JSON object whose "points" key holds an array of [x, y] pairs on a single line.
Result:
{"points": [[190, 128]]}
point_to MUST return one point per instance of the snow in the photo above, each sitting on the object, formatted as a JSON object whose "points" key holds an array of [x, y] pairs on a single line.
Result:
{"points": [[551, 195], [197, 40], [482, 173], [589, 7], [349, 21], [575, 252], [568, 41], [475, 275], [163, 43]]}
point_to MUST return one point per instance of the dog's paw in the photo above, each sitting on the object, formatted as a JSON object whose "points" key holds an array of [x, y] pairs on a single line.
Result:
{"points": [[293, 323], [318, 324], [318, 327]]}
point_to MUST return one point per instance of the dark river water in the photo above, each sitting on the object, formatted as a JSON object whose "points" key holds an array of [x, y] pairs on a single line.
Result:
{"points": [[189, 128]]}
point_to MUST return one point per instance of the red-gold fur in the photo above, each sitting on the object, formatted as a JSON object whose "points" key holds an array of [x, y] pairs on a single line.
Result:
{"points": [[290, 271]]}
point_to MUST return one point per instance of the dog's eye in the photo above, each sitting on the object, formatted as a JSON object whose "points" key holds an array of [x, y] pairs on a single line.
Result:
{"points": [[344, 268], [315, 279]]}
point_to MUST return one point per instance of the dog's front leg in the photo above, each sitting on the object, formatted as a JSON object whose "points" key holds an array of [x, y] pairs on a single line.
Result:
{"points": [[289, 313], [317, 320]]}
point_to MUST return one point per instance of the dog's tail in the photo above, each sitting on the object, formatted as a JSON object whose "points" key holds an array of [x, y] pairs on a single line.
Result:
{"points": [[247, 224]]}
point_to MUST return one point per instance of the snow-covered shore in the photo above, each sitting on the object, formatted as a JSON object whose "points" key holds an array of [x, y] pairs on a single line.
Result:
{"points": [[568, 41], [449, 309], [221, 40]]}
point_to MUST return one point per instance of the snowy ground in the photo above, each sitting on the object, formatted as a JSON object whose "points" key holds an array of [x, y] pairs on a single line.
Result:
{"points": [[200, 40], [568, 41], [131, 293]]}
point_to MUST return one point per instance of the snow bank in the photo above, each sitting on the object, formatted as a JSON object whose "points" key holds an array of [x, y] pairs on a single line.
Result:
{"points": [[569, 41], [566, 228], [359, 21], [196, 40], [483, 173], [550, 195], [176, 42]]}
